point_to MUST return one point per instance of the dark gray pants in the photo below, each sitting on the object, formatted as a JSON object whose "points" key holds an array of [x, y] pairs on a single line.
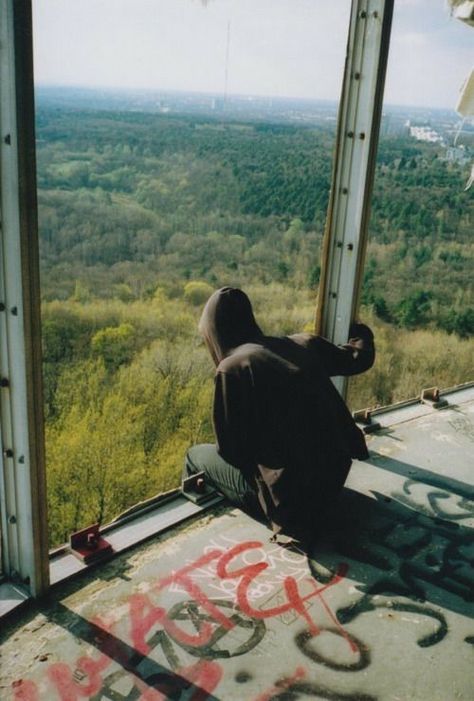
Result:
{"points": [[226, 478]]}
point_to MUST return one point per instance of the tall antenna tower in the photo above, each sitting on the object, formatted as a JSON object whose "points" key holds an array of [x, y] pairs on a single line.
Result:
{"points": [[226, 73]]}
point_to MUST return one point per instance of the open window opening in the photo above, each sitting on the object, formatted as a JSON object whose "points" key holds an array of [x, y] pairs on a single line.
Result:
{"points": [[418, 282], [229, 168], [182, 146]]}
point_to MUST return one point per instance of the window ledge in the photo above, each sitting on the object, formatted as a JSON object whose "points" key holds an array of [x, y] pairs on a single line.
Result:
{"points": [[132, 528], [12, 597]]}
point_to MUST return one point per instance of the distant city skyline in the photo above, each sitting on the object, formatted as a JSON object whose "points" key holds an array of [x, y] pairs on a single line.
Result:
{"points": [[124, 98], [276, 48]]}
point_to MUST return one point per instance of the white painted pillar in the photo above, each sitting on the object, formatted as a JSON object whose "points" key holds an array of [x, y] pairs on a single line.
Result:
{"points": [[22, 475], [354, 164]]}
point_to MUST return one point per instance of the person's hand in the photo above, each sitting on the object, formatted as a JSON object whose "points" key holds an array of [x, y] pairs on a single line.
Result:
{"points": [[360, 332]]}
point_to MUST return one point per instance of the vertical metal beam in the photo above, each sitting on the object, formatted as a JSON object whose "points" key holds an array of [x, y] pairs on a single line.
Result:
{"points": [[22, 477], [360, 111]]}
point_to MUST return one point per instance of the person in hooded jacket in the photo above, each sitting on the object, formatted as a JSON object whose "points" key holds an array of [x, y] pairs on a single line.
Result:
{"points": [[284, 437]]}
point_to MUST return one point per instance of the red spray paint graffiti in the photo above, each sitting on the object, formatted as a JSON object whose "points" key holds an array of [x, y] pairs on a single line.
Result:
{"points": [[282, 685], [145, 616], [25, 690]]}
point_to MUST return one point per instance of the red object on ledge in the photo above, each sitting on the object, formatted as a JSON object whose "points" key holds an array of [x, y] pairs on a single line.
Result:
{"points": [[88, 545]]}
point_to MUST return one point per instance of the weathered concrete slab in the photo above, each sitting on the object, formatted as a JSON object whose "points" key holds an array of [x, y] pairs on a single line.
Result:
{"points": [[383, 608]]}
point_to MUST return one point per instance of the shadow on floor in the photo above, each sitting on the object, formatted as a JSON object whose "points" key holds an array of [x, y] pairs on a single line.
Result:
{"points": [[394, 551], [420, 474]]}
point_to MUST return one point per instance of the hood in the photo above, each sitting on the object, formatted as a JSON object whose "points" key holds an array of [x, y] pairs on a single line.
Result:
{"points": [[227, 322]]}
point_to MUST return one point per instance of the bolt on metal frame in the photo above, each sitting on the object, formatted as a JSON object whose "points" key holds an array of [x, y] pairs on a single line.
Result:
{"points": [[347, 221], [22, 478]]}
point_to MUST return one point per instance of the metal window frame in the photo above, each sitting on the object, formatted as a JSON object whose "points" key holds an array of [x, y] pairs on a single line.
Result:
{"points": [[25, 552], [22, 479], [360, 110]]}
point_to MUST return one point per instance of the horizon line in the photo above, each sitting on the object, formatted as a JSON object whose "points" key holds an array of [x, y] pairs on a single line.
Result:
{"points": [[214, 94]]}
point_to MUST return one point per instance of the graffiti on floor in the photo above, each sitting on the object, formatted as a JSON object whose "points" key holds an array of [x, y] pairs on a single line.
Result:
{"points": [[408, 552], [464, 426], [219, 606], [199, 626], [280, 564], [436, 503]]}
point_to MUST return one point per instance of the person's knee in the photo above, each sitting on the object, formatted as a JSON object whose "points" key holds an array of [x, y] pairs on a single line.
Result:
{"points": [[190, 460], [195, 460]]}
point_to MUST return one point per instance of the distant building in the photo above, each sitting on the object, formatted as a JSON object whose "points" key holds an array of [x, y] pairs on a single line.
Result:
{"points": [[457, 154], [425, 134], [385, 125]]}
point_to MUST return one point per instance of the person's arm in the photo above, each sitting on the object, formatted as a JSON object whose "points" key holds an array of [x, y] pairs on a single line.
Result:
{"points": [[354, 357]]}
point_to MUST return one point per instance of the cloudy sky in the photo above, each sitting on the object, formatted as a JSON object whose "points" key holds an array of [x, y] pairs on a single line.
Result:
{"points": [[289, 48]]}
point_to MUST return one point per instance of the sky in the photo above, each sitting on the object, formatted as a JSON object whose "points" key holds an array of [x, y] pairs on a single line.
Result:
{"points": [[285, 48]]}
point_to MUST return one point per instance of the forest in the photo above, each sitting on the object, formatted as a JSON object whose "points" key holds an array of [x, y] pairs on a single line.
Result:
{"points": [[142, 215]]}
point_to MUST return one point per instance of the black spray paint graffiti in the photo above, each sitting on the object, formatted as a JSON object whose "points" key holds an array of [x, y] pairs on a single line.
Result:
{"points": [[247, 633], [190, 611], [362, 660], [417, 556], [410, 551], [441, 504], [121, 686], [405, 552], [198, 627], [367, 603]]}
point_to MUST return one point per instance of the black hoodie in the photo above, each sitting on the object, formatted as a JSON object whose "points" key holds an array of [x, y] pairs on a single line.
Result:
{"points": [[277, 416]]}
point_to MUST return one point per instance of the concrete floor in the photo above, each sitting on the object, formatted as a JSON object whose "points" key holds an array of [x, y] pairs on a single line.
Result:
{"points": [[383, 608]]}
